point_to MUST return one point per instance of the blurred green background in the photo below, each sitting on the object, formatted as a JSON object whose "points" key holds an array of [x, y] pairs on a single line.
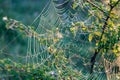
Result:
{"points": [[13, 42]]}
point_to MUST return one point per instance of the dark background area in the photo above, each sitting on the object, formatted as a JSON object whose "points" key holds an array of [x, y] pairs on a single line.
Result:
{"points": [[13, 42]]}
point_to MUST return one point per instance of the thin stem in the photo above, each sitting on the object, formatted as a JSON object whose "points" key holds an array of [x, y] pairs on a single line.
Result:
{"points": [[94, 5]]}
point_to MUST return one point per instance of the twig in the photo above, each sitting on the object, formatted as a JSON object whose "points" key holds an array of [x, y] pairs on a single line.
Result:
{"points": [[94, 5]]}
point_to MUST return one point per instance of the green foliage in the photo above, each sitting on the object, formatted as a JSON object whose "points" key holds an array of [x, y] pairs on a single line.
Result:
{"points": [[108, 35], [17, 71]]}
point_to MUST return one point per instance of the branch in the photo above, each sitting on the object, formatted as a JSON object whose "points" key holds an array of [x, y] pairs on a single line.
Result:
{"points": [[103, 31], [94, 5]]}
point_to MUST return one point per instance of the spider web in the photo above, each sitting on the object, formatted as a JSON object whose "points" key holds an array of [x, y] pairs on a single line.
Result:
{"points": [[54, 36], [52, 25]]}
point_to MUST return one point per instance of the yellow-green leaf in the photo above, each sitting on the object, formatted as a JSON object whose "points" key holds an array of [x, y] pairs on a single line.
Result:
{"points": [[90, 37], [74, 5], [118, 48], [77, 23], [84, 28], [97, 33], [115, 50], [72, 29]]}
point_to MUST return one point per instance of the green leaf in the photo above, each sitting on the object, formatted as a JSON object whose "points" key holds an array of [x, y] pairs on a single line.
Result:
{"points": [[97, 33], [90, 37]]}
